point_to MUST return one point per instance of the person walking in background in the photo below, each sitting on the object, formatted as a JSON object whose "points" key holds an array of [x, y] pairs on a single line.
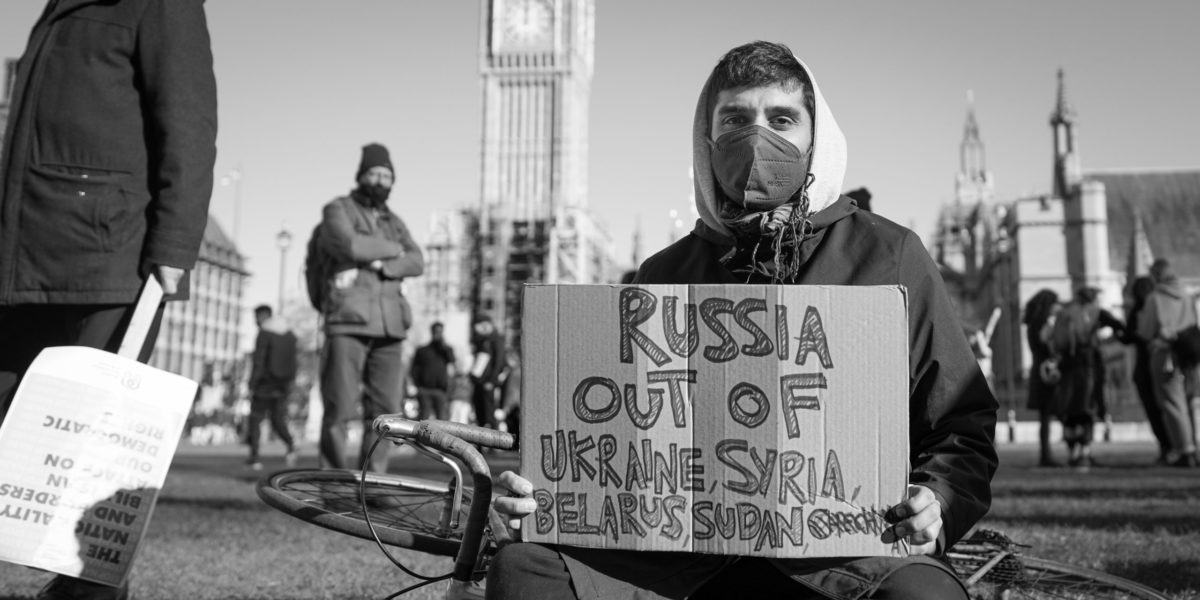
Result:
{"points": [[272, 377], [433, 371], [1143, 381], [369, 252], [1043, 370], [488, 370], [1075, 340], [105, 178], [1168, 310]]}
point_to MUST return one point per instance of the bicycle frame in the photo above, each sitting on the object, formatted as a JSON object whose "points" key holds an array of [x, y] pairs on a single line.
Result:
{"points": [[455, 440]]}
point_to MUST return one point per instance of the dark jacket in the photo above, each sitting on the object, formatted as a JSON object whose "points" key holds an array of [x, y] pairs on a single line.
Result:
{"points": [[491, 344], [108, 156], [952, 412], [430, 366], [367, 302], [274, 366]]}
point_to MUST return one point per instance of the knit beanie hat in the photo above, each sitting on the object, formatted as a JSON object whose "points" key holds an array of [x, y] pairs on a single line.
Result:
{"points": [[374, 155]]}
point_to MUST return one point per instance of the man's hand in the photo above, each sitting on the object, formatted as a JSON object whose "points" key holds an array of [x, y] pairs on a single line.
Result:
{"points": [[168, 278], [917, 521], [518, 503]]}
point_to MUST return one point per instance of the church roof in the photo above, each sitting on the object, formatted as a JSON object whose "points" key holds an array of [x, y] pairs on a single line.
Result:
{"points": [[214, 234], [1169, 204], [219, 248]]}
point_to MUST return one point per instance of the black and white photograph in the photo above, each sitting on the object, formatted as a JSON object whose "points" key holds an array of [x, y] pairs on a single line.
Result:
{"points": [[599, 299]]}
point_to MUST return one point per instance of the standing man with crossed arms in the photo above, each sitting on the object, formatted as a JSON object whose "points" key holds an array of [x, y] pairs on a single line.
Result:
{"points": [[370, 252]]}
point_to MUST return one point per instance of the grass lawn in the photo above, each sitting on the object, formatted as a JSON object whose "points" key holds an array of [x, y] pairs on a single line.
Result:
{"points": [[211, 537]]}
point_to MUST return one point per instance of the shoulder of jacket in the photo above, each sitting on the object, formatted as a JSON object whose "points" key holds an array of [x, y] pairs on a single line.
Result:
{"points": [[339, 202]]}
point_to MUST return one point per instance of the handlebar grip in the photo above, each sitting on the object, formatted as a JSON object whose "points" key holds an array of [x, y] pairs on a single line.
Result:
{"points": [[398, 425]]}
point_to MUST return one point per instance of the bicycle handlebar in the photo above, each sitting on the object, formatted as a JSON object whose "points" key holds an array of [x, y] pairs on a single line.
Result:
{"points": [[398, 425], [456, 439]]}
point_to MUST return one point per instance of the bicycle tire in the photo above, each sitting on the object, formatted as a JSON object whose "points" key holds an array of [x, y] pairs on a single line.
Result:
{"points": [[1021, 577], [405, 511], [1070, 581]]}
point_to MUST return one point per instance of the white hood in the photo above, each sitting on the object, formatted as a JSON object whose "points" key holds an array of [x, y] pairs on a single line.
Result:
{"points": [[828, 163]]}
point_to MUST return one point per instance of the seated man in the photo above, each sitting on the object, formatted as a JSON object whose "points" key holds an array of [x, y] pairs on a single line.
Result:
{"points": [[769, 160]]}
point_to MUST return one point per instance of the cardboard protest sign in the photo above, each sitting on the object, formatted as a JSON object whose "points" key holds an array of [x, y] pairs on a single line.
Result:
{"points": [[86, 446], [742, 419]]}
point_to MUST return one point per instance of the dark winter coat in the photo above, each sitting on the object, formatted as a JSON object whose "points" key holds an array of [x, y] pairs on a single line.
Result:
{"points": [[430, 366], [952, 412], [274, 362], [108, 154], [364, 301]]}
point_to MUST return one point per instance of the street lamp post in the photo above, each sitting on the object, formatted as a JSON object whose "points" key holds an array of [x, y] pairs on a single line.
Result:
{"points": [[234, 177], [283, 239], [1007, 300]]}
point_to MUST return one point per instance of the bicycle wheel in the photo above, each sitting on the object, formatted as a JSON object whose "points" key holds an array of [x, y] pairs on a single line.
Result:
{"points": [[1043, 578], [405, 511], [1019, 577]]}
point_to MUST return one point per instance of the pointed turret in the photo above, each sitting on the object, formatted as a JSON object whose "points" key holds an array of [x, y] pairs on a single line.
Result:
{"points": [[973, 184], [1137, 264], [1064, 113], [1067, 172], [972, 159]]}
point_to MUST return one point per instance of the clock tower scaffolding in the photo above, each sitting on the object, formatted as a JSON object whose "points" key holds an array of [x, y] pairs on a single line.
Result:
{"points": [[533, 223]]}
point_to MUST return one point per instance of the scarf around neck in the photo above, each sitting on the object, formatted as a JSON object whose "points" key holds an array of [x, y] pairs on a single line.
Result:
{"points": [[767, 243]]}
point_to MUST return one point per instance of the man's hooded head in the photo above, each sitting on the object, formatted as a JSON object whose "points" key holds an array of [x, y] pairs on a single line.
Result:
{"points": [[763, 142], [375, 173]]}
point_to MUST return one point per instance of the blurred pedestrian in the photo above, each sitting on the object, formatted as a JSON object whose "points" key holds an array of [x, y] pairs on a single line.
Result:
{"points": [[369, 252], [272, 379], [1143, 382], [1043, 370], [433, 372], [105, 178], [1168, 310], [1075, 339], [488, 370]]}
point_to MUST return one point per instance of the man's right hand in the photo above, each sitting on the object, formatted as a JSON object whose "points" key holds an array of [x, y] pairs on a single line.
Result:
{"points": [[519, 502]]}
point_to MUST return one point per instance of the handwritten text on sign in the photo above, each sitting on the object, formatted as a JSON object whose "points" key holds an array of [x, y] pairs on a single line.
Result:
{"points": [[732, 419]]}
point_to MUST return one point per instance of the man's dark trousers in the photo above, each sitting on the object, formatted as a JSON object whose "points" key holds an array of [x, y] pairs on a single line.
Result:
{"points": [[358, 369], [270, 402], [434, 403]]}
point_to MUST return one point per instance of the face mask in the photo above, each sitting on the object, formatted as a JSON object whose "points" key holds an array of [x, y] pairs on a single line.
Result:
{"points": [[377, 194], [757, 168]]}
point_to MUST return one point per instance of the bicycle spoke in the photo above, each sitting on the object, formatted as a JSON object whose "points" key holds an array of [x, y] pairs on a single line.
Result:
{"points": [[1025, 577], [396, 509]]}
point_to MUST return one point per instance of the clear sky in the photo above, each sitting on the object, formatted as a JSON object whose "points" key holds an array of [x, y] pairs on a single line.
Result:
{"points": [[303, 84]]}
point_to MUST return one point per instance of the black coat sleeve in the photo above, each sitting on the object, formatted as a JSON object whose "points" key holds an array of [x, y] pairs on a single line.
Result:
{"points": [[952, 412], [175, 71]]}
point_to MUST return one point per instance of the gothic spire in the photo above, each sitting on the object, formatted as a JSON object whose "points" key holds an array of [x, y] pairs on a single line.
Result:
{"points": [[1067, 171], [1063, 113], [972, 158], [1140, 253]]}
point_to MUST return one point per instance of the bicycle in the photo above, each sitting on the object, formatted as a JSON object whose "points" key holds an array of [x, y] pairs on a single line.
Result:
{"points": [[993, 567], [439, 517]]}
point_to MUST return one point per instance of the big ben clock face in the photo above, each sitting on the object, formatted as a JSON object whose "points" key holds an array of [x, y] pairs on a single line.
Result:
{"points": [[526, 22]]}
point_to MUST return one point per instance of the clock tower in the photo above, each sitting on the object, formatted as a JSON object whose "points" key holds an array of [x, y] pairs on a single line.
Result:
{"points": [[533, 223]]}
